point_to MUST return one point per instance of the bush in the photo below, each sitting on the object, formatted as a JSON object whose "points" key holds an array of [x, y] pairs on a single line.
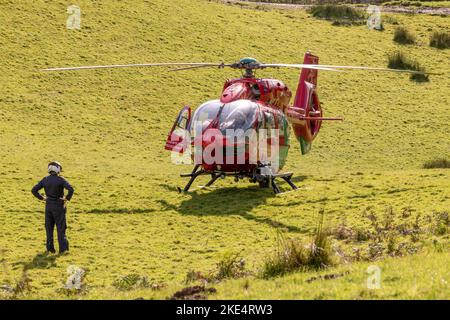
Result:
{"points": [[441, 163], [131, 282], [440, 40], [398, 60], [291, 255], [403, 3], [231, 266], [403, 36], [440, 223], [320, 252], [339, 14]]}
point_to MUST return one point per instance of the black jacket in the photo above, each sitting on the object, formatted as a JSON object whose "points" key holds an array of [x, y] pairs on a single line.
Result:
{"points": [[54, 186]]}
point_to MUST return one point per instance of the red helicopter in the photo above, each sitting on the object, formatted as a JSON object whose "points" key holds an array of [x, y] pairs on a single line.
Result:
{"points": [[259, 110]]}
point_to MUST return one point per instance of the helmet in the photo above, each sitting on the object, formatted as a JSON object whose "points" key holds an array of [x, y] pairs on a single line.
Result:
{"points": [[54, 167]]}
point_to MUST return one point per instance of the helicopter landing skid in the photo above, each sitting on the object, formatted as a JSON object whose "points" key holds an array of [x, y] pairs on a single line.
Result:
{"points": [[269, 180], [264, 180]]}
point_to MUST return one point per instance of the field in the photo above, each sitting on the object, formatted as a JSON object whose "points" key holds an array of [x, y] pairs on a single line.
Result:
{"points": [[108, 129]]}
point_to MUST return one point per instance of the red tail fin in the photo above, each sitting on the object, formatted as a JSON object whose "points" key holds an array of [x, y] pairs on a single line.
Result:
{"points": [[307, 100]]}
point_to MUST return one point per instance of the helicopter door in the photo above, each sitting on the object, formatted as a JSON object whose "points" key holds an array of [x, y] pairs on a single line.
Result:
{"points": [[178, 136]]}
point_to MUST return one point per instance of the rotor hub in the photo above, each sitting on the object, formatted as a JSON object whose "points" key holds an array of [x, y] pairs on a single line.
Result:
{"points": [[248, 64]]}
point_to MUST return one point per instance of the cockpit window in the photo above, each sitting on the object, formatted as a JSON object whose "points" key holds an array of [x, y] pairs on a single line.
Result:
{"points": [[240, 114], [255, 91], [203, 116]]}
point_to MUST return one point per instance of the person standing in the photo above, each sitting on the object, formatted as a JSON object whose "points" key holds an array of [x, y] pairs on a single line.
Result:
{"points": [[55, 205]]}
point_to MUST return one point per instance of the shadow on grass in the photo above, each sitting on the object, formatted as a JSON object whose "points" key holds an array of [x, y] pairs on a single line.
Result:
{"points": [[42, 260], [297, 179], [219, 202], [303, 202], [229, 201], [121, 210]]}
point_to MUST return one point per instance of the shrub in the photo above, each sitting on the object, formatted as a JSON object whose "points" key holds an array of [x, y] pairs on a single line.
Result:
{"points": [[437, 163], [440, 40], [291, 255], [398, 60], [440, 223], [403, 36], [339, 14], [22, 286], [320, 252], [403, 3], [343, 232], [192, 276], [231, 266], [130, 282]]}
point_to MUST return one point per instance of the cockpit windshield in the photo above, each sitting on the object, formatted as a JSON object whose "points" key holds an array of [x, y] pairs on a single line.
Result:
{"points": [[203, 116], [239, 114]]}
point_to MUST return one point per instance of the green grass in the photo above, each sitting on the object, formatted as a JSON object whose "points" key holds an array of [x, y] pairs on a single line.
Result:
{"points": [[108, 129], [422, 276], [441, 4]]}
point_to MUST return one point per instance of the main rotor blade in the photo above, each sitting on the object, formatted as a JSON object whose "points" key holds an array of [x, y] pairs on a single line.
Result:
{"points": [[334, 68], [298, 66], [219, 65], [134, 65], [381, 69], [194, 65]]}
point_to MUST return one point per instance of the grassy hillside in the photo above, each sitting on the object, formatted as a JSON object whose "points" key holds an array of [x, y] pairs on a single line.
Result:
{"points": [[108, 129]]}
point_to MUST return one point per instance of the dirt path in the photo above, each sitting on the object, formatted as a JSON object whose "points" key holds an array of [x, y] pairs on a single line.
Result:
{"points": [[388, 9]]}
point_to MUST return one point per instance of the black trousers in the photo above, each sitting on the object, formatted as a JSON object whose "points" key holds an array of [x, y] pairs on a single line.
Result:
{"points": [[55, 214]]}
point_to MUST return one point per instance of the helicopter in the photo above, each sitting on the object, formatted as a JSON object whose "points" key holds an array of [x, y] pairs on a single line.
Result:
{"points": [[245, 133]]}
